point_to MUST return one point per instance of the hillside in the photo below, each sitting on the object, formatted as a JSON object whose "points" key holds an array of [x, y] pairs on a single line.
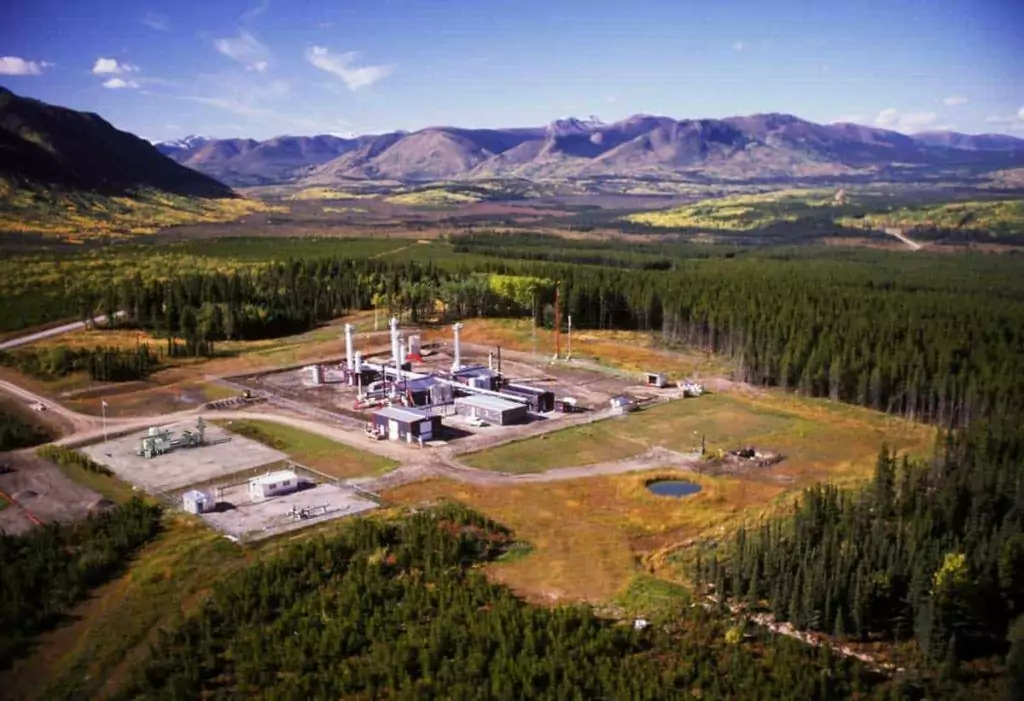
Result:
{"points": [[73, 174], [51, 145], [759, 147]]}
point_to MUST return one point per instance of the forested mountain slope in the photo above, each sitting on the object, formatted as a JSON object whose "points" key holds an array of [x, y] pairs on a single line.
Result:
{"points": [[73, 175], [49, 145]]}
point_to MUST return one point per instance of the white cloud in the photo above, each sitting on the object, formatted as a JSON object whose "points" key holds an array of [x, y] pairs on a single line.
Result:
{"points": [[110, 66], [12, 65], [120, 84], [954, 101], [906, 122], [739, 45], [1013, 123], [341, 65], [157, 21], [246, 49]]}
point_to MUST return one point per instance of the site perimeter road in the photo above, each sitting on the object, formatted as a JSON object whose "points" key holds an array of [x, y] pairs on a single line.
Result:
{"points": [[55, 331]]}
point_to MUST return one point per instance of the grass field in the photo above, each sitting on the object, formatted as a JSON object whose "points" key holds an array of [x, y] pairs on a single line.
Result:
{"points": [[322, 454], [737, 213], [588, 535], [433, 197], [629, 351], [593, 536], [993, 220]]}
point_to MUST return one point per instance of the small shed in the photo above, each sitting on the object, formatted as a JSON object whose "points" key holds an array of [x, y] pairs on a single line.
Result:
{"points": [[623, 404], [494, 410], [406, 424], [655, 379], [478, 376], [568, 405], [196, 502], [273, 484], [539, 400]]}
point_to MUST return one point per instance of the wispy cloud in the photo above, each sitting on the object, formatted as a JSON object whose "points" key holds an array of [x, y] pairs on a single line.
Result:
{"points": [[120, 84], [907, 122], [343, 66], [250, 15], [110, 66], [739, 45], [157, 21], [1013, 123], [246, 49], [954, 101], [13, 65]]}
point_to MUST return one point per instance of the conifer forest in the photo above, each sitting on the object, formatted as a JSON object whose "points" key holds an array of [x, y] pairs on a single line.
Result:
{"points": [[927, 559]]}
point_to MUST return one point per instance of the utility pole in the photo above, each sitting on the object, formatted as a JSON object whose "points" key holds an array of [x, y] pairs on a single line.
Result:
{"points": [[558, 323], [103, 410], [568, 352]]}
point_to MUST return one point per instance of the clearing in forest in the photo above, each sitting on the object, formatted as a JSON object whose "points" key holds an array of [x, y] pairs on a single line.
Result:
{"points": [[591, 536]]}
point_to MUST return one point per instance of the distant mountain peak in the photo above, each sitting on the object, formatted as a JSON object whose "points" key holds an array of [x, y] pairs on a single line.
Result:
{"points": [[574, 125], [187, 142]]}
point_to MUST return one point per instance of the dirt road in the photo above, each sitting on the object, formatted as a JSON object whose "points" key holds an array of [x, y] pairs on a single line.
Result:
{"points": [[55, 331], [898, 233]]}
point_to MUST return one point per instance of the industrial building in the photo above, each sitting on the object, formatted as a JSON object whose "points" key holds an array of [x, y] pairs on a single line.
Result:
{"points": [[499, 412], [273, 484], [427, 391], [406, 424], [623, 404], [539, 400], [655, 379], [478, 377], [197, 502]]}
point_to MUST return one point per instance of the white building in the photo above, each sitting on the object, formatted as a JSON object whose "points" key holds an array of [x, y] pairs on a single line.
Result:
{"points": [[197, 502], [273, 484]]}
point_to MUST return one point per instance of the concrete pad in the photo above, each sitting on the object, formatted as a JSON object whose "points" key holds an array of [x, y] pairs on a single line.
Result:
{"points": [[249, 520], [225, 454]]}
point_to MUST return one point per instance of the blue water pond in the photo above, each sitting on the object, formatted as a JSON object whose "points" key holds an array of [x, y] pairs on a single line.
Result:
{"points": [[673, 488]]}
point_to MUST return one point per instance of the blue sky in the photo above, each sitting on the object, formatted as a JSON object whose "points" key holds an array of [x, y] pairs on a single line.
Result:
{"points": [[264, 68]]}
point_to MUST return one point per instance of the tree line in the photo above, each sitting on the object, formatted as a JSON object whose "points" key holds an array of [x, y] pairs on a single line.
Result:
{"points": [[102, 363], [929, 550], [943, 349], [50, 568]]}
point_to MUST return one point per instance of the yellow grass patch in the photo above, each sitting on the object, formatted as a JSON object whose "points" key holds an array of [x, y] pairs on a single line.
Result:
{"points": [[589, 535]]}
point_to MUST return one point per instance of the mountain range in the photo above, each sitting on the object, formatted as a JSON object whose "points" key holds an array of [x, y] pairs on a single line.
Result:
{"points": [[762, 146], [46, 145]]}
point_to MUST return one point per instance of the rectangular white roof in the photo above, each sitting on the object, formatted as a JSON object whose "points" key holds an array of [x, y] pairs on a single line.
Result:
{"points": [[195, 495], [483, 401], [273, 477], [403, 414]]}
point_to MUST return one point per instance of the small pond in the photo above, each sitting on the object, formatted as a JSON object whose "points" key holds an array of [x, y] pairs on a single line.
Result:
{"points": [[673, 488]]}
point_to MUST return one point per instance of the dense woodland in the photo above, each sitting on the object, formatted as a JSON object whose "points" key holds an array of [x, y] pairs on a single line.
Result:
{"points": [[54, 566], [394, 610], [920, 337], [930, 551]]}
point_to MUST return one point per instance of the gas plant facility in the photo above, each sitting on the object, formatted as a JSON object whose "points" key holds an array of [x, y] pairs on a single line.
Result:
{"points": [[419, 393]]}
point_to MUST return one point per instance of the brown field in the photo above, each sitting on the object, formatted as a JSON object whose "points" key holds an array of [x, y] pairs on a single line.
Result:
{"points": [[592, 536]]}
